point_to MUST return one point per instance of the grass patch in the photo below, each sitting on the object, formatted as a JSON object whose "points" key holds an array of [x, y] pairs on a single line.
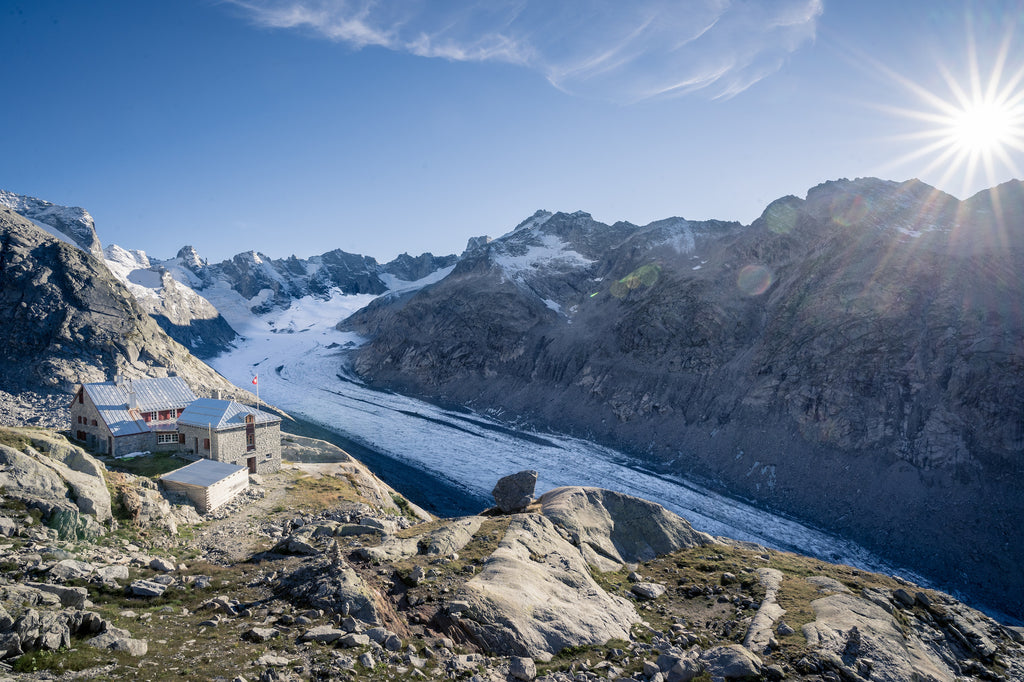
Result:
{"points": [[151, 466], [14, 439], [80, 657]]}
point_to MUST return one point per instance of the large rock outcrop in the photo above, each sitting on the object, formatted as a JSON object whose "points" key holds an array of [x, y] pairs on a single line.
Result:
{"points": [[612, 528], [852, 358], [62, 481], [536, 593]]}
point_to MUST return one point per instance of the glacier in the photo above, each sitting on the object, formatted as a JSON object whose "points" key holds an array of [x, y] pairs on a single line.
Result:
{"points": [[300, 360]]}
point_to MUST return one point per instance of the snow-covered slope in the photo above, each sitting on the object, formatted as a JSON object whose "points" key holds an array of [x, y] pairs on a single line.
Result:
{"points": [[189, 318], [68, 223]]}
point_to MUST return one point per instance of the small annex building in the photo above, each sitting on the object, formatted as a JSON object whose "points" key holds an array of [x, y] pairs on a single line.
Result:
{"points": [[207, 483], [227, 431], [122, 416]]}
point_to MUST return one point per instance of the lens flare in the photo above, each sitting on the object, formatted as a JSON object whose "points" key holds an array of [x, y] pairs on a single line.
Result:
{"points": [[754, 280], [644, 276]]}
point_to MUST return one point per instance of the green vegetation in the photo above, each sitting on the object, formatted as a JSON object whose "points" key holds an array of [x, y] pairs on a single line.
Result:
{"points": [[67, 660], [151, 466], [403, 507], [14, 438]]}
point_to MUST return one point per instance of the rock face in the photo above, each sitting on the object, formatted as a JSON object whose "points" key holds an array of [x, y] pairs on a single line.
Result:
{"points": [[515, 493], [851, 358], [535, 594], [67, 319], [612, 528], [59, 479]]}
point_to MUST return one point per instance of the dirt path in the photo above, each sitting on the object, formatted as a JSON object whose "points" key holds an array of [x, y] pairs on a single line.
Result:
{"points": [[237, 536]]}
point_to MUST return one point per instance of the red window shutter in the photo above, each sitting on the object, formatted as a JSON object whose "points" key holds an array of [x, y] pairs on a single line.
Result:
{"points": [[181, 438], [206, 443]]}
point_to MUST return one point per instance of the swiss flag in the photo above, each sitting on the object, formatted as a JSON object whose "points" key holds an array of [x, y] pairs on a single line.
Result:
{"points": [[254, 379]]}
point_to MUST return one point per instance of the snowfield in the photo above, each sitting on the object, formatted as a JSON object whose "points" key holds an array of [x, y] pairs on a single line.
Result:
{"points": [[300, 360]]}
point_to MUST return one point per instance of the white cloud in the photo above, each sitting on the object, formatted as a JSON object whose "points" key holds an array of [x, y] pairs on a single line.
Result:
{"points": [[622, 51]]}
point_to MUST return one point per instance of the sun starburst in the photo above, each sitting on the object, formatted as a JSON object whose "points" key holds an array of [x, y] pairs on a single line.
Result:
{"points": [[976, 127]]}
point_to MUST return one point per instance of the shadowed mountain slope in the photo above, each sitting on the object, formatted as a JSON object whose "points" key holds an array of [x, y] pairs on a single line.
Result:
{"points": [[854, 359]]}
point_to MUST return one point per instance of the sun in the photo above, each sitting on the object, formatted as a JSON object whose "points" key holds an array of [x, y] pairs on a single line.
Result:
{"points": [[974, 130], [984, 128]]}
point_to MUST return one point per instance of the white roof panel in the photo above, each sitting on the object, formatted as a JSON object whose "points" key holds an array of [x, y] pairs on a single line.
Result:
{"points": [[204, 472]]}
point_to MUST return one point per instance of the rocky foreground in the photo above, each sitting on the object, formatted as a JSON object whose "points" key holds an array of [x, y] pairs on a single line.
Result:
{"points": [[322, 572]]}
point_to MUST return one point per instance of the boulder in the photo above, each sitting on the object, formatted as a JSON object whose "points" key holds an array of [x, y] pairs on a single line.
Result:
{"points": [[146, 588], [116, 639], [647, 590], [522, 668], [731, 662], [112, 573], [515, 493], [73, 525], [70, 597], [70, 569], [354, 639], [8, 527], [10, 645], [612, 528], [323, 633], [300, 544], [162, 564]]}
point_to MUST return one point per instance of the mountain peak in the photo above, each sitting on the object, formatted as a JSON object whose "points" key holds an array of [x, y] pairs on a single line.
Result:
{"points": [[190, 258]]}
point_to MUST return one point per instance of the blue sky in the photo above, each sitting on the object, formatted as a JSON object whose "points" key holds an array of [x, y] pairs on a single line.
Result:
{"points": [[300, 126]]}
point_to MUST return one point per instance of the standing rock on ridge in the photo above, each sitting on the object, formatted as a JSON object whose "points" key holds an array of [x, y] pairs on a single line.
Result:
{"points": [[515, 493]]}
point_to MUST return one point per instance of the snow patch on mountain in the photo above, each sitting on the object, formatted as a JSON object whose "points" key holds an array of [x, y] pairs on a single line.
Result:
{"points": [[547, 252], [401, 286]]}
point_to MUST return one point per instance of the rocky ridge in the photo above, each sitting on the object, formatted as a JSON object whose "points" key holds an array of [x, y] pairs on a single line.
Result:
{"points": [[850, 359], [356, 587], [71, 223], [259, 284], [69, 320]]}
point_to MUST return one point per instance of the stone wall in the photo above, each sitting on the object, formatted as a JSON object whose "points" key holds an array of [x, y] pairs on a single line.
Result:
{"points": [[92, 427], [229, 445]]}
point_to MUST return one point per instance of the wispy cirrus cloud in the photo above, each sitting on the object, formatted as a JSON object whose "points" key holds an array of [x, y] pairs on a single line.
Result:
{"points": [[621, 51]]}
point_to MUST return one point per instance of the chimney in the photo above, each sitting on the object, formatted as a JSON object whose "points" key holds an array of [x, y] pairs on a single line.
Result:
{"points": [[119, 380], [133, 402]]}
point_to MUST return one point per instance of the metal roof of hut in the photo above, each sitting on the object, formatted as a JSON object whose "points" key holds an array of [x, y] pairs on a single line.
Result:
{"points": [[112, 400], [222, 414]]}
